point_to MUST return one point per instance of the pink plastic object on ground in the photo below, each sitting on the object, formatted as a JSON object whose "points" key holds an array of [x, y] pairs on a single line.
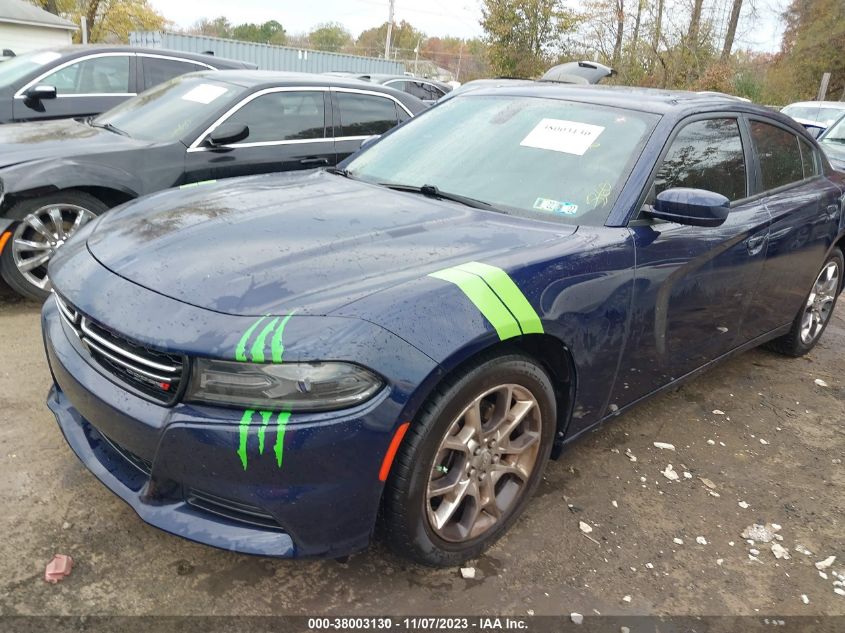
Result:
{"points": [[58, 568]]}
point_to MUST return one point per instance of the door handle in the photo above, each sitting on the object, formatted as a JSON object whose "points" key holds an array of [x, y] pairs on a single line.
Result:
{"points": [[314, 161], [755, 243]]}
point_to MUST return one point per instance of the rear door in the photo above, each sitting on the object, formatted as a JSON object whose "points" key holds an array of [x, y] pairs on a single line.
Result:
{"points": [[360, 114], [693, 284], [156, 69], [805, 209], [288, 130], [84, 86]]}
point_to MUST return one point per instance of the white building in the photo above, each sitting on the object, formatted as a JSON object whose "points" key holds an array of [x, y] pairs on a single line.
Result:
{"points": [[25, 27]]}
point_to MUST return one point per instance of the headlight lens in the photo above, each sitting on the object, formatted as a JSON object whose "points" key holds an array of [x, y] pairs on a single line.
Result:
{"points": [[288, 386]]}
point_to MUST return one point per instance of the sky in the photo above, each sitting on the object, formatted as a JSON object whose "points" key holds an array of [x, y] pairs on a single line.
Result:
{"points": [[459, 18]]}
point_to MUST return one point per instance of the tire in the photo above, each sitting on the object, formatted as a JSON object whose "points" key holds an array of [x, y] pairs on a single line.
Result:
{"points": [[820, 303], [414, 525], [69, 210]]}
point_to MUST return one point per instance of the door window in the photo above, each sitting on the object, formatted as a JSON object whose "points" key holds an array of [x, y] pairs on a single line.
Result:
{"points": [[99, 75], [158, 71], [283, 116], [779, 154], [365, 115], [810, 159], [706, 154]]}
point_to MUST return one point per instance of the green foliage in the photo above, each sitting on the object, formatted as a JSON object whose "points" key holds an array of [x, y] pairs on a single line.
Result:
{"points": [[109, 21], [525, 36], [404, 39], [330, 36], [270, 32]]}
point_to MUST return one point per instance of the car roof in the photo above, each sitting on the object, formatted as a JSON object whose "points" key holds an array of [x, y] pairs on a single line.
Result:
{"points": [[652, 100], [839, 105], [77, 50]]}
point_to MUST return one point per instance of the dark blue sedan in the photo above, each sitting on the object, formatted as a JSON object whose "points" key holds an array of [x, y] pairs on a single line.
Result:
{"points": [[272, 364]]}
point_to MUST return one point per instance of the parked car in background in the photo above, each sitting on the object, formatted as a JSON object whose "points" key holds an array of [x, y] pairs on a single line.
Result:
{"points": [[80, 81], [58, 175], [270, 364], [832, 141], [581, 73], [426, 90], [815, 114]]}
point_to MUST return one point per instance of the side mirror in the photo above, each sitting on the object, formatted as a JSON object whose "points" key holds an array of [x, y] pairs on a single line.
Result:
{"points": [[814, 131], [227, 134], [40, 91], [369, 141], [694, 207]]}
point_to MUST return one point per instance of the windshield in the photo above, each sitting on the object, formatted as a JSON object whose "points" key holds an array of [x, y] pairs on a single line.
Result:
{"points": [[170, 110], [544, 158], [16, 68], [836, 134]]}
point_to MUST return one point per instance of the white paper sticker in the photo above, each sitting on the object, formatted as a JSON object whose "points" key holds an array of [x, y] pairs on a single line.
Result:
{"points": [[557, 135], [45, 58], [204, 93]]}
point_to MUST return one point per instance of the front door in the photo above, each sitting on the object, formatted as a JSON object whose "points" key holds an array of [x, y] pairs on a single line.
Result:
{"points": [[287, 132], [359, 115], [693, 285], [84, 87]]}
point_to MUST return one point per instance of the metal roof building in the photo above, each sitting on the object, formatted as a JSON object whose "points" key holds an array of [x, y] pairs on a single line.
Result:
{"points": [[25, 27]]}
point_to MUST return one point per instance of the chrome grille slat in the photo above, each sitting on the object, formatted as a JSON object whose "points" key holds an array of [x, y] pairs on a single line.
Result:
{"points": [[124, 352], [88, 342]]}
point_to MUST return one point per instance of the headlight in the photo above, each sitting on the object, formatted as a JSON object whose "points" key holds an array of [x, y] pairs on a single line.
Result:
{"points": [[287, 386]]}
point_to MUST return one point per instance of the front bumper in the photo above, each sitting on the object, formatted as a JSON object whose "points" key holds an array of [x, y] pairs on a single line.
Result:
{"points": [[179, 469]]}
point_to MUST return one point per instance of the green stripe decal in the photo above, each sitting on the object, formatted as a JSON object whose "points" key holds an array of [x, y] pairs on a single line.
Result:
{"points": [[244, 434], [257, 350], [277, 348], [240, 350], [484, 299], [281, 425], [265, 420], [510, 294]]}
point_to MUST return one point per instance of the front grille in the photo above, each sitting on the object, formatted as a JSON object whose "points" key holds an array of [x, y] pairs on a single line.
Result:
{"points": [[234, 510], [148, 371], [144, 465]]}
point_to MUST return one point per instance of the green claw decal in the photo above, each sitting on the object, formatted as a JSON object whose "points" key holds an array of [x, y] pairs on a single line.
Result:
{"points": [[257, 355], [281, 425]]}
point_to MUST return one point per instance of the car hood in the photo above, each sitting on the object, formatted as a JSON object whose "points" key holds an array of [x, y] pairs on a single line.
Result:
{"points": [[835, 154], [24, 142], [306, 242]]}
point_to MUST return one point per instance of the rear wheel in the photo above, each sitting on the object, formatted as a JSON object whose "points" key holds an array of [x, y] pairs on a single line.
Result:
{"points": [[812, 319], [471, 461], [45, 224]]}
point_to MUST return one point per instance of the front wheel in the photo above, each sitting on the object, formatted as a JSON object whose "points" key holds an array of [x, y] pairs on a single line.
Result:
{"points": [[44, 225], [470, 461], [815, 314]]}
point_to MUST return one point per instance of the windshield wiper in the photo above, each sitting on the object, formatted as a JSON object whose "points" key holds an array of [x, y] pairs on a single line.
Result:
{"points": [[110, 127], [431, 191], [340, 172], [831, 139]]}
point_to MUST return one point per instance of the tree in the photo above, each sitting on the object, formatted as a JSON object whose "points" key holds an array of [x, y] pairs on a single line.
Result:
{"points": [[218, 27], [270, 32], [730, 34], [404, 39], [330, 36], [620, 32], [524, 36], [109, 21]]}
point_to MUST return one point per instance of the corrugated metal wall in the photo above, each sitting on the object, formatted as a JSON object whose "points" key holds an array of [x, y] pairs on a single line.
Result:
{"points": [[268, 57]]}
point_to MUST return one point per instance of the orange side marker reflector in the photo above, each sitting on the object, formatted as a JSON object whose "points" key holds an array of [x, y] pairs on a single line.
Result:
{"points": [[391, 451], [4, 238]]}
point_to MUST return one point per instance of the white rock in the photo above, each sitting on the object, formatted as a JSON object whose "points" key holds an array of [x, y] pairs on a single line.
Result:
{"points": [[614, 504], [776, 527], [743, 504], [670, 473], [719, 561], [764, 442], [626, 598], [678, 541], [713, 493], [664, 445], [707, 482], [66, 525], [530, 611], [630, 455], [731, 543], [805, 599], [711, 442], [687, 475], [754, 552], [824, 564], [649, 566], [586, 528], [802, 550], [757, 532], [820, 382], [577, 618], [624, 629], [467, 573], [718, 412], [824, 576], [780, 551], [701, 540], [839, 590]]}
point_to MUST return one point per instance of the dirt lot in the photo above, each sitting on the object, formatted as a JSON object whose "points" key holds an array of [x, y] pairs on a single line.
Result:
{"points": [[778, 447]]}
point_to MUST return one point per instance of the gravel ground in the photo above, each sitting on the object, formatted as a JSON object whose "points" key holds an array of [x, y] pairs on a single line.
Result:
{"points": [[777, 447]]}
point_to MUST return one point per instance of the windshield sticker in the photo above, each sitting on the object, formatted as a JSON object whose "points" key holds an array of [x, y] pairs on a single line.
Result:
{"points": [[557, 135], [204, 93], [601, 195], [553, 206], [45, 58]]}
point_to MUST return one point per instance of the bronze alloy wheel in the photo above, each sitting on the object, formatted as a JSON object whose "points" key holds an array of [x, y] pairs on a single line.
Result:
{"points": [[484, 463]]}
